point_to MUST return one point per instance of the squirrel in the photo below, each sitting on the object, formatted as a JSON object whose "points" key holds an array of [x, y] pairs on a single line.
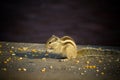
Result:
{"points": [[65, 46]]}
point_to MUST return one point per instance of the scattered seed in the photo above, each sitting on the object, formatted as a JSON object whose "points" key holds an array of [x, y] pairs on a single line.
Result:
{"points": [[82, 73], [94, 66], [11, 51], [19, 69], [102, 73], [63, 60], [20, 58], [5, 62], [51, 67], [34, 50], [97, 70], [43, 70], [77, 61], [87, 62], [43, 59], [12, 47], [20, 49], [8, 59], [24, 69], [100, 61], [25, 48], [79, 68], [13, 54]]}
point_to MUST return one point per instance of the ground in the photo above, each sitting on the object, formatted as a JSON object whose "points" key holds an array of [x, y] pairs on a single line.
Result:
{"points": [[28, 61]]}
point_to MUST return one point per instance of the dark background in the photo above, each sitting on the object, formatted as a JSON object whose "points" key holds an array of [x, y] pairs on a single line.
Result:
{"points": [[89, 22]]}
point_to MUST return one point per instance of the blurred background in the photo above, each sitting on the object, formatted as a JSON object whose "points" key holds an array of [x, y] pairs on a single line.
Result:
{"points": [[89, 22]]}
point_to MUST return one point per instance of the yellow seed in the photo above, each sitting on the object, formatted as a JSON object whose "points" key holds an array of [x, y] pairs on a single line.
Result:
{"points": [[34, 50], [97, 70], [82, 73], [77, 61], [19, 69], [5, 62], [20, 49], [20, 58], [13, 54], [24, 69], [43, 59], [87, 67], [87, 62], [90, 67], [12, 47], [11, 51], [43, 70], [94, 66], [100, 61], [51, 67], [25, 48]]}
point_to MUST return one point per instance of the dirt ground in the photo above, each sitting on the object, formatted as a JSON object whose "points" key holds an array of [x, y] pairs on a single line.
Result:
{"points": [[28, 61]]}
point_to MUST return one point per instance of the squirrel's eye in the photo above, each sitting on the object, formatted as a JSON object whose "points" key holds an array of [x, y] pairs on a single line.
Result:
{"points": [[49, 42]]}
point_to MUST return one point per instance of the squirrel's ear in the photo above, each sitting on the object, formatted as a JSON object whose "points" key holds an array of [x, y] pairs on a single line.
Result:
{"points": [[54, 36]]}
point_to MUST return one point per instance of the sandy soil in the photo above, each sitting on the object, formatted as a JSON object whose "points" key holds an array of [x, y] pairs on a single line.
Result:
{"points": [[28, 61]]}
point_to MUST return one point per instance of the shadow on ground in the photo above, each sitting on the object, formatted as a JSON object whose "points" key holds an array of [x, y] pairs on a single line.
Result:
{"points": [[37, 55]]}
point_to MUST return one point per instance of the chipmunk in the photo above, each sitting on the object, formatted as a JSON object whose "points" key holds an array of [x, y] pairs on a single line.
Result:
{"points": [[65, 46]]}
